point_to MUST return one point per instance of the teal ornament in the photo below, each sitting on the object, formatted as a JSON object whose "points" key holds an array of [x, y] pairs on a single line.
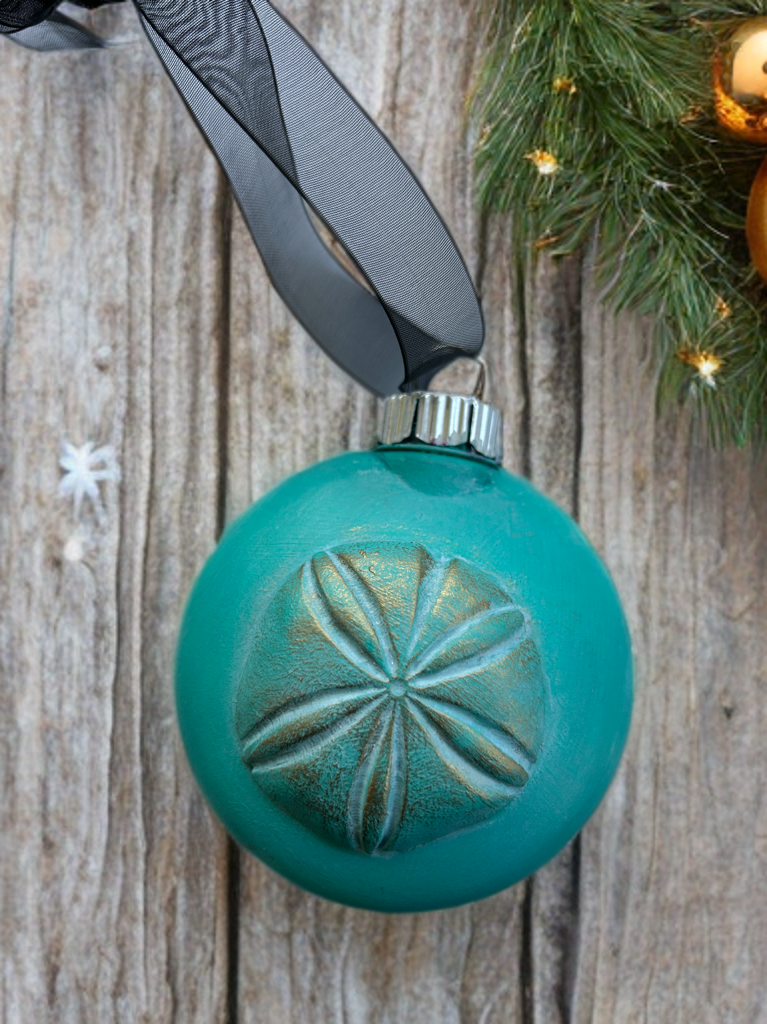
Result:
{"points": [[404, 677]]}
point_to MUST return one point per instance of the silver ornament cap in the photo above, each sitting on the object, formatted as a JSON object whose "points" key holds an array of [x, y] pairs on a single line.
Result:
{"points": [[443, 420]]}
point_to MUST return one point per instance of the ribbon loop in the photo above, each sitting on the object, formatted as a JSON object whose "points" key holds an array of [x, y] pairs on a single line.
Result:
{"points": [[288, 136]]}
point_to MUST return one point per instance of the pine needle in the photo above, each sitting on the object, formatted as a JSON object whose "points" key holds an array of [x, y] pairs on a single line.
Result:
{"points": [[596, 118]]}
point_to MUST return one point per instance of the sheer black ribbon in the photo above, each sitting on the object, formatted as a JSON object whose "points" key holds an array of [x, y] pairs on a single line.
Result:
{"points": [[288, 136]]}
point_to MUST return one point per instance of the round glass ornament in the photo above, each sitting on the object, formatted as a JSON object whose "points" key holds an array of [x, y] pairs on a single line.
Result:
{"points": [[404, 677]]}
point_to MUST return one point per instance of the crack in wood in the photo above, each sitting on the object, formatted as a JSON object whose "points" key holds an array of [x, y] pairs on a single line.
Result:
{"points": [[526, 962], [233, 932], [520, 311], [224, 354]]}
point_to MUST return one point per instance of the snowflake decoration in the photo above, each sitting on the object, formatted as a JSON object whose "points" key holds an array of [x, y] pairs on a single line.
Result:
{"points": [[391, 697], [84, 470]]}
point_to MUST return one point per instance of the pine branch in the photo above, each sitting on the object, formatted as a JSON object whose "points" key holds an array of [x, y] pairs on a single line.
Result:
{"points": [[618, 94]]}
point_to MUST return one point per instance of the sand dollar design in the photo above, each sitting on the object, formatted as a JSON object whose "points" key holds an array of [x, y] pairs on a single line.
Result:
{"points": [[391, 697]]}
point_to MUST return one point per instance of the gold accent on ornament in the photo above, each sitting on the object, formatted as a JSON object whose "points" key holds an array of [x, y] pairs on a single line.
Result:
{"points": [[544, 162], [411, 672], [756, 221], [706, 363], [740, 82], [564, 84], [723, 308]]}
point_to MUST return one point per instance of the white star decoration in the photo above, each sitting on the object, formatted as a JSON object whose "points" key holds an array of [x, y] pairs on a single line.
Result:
{"points": [[84, 470]]}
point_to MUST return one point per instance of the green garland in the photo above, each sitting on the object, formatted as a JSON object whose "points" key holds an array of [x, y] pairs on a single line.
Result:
{"points": [[613, 99]]}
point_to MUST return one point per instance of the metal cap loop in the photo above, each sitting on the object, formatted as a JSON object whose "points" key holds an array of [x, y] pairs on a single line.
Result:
{"points": [[444, 420]]}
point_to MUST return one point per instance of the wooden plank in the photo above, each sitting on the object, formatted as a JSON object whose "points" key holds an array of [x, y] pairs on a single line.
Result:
{"points": [[300, 958], [552, 361], [114, 876], [673, 922]]}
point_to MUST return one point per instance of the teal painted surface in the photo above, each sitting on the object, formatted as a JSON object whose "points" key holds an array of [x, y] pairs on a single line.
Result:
{"points": [[406, 702], [404, 679]]}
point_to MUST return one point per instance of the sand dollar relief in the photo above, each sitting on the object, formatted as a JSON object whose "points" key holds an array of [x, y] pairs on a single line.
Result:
{"points": [[391, 697]]}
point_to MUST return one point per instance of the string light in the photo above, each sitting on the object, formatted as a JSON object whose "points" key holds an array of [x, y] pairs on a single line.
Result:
{"points": [[543, 161], [565, 84], [706, 363]]}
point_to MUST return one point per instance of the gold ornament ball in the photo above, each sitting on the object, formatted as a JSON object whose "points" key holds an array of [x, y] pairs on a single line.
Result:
{"points": [[740, 81], [756, 221]]}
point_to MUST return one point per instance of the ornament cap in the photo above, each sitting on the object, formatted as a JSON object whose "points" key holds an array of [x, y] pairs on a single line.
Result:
{"points": [[443, 420]]}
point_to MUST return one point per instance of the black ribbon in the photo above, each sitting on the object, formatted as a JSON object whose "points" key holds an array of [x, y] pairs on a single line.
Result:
{"points": [[38, 25], [288, 136]]}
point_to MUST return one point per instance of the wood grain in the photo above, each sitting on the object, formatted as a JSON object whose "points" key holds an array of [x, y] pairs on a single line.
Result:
{"points": [[113, 875], [136, 313], [673, 911]]}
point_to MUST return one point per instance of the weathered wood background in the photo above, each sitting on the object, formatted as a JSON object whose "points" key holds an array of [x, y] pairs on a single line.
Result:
{"points": [[136, 313]]}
